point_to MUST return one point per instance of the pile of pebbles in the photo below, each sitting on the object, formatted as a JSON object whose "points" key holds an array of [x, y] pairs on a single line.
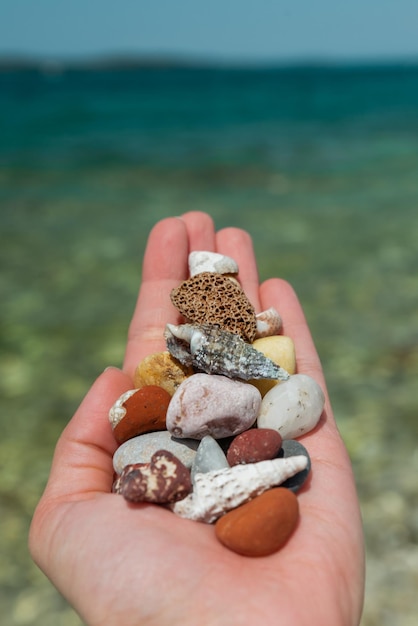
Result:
{"points": [[210, 430]]}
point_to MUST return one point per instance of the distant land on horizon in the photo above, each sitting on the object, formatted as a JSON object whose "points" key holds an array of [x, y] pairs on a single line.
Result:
{"points": [[51, 63]]}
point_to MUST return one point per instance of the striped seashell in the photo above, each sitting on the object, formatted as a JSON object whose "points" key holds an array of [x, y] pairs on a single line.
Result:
{"points": [[213, 350], [268, 323], [219, 491]]}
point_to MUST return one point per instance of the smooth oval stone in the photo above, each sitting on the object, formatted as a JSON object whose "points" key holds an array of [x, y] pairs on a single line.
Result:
{"points": [[293, 408], [140, 449], [262, 526], [209, 456], [208, 404], [281, 350], [145, 411], [256, 444], [291, 447]]}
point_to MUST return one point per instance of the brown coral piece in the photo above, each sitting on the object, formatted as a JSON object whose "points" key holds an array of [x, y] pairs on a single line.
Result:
{"points": [[210, 298]]}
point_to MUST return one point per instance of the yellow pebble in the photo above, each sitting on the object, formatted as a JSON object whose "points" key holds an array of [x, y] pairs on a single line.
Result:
{"points": [[281, 350], [163, 370]]}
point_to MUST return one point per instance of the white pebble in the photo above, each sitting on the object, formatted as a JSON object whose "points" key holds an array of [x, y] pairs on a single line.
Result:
{"points": [[293, 407]]}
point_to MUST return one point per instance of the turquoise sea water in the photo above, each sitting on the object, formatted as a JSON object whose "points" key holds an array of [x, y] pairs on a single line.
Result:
{"points": [[320, 164]]}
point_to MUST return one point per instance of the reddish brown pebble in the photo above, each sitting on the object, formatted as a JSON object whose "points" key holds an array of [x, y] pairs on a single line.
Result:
{"points": [[256, 444], [146, 410], [162, 481], [262, 526]]}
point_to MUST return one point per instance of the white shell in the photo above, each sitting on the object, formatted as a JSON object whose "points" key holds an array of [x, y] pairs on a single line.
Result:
{"points": [[268, 322], [217, 492], [118, 411], [202, 261], [293, 408]]}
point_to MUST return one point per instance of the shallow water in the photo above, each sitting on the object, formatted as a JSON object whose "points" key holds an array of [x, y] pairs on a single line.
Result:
{"points": [[319, 164]]}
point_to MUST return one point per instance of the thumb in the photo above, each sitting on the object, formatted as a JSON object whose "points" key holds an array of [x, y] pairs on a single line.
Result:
{"points": [[82, 463]]}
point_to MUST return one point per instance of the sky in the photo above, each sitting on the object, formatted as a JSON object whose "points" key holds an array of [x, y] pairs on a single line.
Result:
{"points": [[228, 30]]}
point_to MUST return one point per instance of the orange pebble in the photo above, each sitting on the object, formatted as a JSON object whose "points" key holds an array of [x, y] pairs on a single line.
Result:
{"points": [[146, 410], [261, 526]]}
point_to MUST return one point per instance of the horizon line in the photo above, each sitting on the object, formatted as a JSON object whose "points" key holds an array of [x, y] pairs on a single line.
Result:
{"points": [[16, 60]]}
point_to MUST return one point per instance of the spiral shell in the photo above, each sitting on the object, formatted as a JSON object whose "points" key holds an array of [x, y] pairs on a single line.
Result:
{"points": [[268, 323], [213, 350], [219, 491]]}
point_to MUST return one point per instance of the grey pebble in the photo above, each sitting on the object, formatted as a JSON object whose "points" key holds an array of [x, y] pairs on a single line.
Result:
{"points": [[140, 449], [209, 456], [291, 447]]}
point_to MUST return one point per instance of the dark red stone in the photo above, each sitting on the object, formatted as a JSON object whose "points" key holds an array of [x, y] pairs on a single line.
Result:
{"points": [[256, 444]]}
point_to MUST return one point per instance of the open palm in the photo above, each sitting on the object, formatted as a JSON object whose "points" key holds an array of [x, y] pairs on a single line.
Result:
{"points": [[122, 564]]}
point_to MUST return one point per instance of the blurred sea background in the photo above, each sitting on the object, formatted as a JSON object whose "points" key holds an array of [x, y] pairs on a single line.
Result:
{"points": [[319, 163]]}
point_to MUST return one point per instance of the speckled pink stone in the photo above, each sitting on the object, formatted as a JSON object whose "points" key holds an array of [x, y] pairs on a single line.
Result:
{"points": [[208, 404]]}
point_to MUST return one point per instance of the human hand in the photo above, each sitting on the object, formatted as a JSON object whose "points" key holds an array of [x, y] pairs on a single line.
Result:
{"points": [[122, 564]]}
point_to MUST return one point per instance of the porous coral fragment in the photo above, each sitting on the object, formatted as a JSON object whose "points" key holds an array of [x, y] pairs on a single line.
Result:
{"points": [[215, 299]]}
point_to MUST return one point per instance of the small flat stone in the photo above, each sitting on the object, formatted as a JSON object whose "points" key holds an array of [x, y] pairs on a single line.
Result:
{"points": [[140, 412], [209, 456], [291, 447], [140, 449], [293, 408], [161, 481], [208, 404], [256, 444], [262, 526]]}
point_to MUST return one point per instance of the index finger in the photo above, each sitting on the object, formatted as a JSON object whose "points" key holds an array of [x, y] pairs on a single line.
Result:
{"points": [[164, 266], [237, 243]]}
